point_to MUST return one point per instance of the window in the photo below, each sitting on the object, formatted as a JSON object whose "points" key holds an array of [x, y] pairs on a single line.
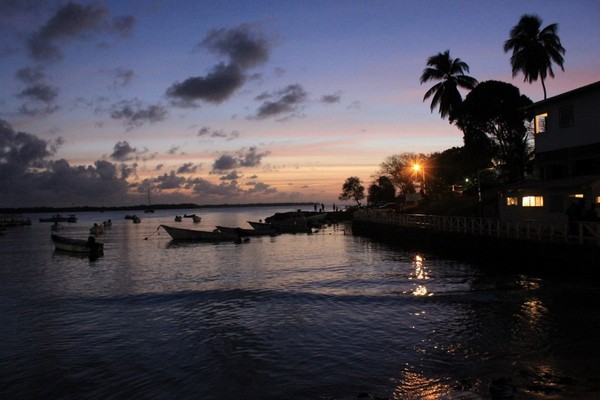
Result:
{"points": [[566, 117], [540, 123], [533, 201], [512, 201]]}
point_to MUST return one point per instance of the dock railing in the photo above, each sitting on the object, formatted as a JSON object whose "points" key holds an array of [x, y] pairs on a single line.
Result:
{"points": [[580, 232]]}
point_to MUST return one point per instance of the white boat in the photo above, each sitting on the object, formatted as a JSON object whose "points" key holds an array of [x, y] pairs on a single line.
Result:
{"points": [[200, 236], [89, 246]]}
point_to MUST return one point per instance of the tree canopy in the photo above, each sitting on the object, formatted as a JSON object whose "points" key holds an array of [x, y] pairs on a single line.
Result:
{"points": [[493, 120], [353, 190], [534, 49], [451, 74]]}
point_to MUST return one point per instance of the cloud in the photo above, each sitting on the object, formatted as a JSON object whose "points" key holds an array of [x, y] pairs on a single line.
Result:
{"points": [[287, 101], [233, 175], [208, 189], [216, 87], [244, 158], [224, 163], [187, 168], [244, 47], [135, 114], [73, 21], [170, 181], [122, 151], [30, 75], [252, 158], [28, 179], [331, 98], [260, 187], [40, 92], [205, 131], [19, 151], [121, 77]]}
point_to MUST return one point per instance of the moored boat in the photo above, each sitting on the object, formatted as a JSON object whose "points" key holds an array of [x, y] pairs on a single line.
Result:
{"points": [[279, 227], [245, 232], [178, 218], [196, 218], [201, 236], [90, 246]]}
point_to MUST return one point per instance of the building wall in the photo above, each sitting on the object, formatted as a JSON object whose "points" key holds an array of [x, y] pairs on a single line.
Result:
{"points": [[585, 129]]}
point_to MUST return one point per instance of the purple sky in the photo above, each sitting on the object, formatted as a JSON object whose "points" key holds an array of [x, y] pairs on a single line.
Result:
{"points": [[237, 101]]}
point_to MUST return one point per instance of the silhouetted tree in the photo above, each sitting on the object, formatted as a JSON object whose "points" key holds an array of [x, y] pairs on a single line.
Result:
{"points": [[353, 190], [381, 191], [494, 111], [398, 168], [534, 50], [450, 73]]}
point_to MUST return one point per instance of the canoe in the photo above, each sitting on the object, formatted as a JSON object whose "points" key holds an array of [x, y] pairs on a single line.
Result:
{"points": [[199, 236], [90, 246]]}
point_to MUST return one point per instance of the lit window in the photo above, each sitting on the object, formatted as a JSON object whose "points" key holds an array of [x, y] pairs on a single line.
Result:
{"points": [[540, 123], [533, 201], [576, 195], [598, 200], [512, 201]]}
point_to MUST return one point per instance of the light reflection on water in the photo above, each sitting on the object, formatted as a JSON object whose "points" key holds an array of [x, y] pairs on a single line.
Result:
{"points": [[294, 316]]}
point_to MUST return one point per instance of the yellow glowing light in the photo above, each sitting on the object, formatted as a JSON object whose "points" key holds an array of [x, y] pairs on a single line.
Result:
{"points": [[416, 167]]}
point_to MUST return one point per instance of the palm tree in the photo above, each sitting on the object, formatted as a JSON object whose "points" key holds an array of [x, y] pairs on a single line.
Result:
{"points": [[534, 50], [450, 72]]}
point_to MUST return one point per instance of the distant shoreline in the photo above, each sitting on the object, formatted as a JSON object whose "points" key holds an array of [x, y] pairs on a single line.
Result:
{"points": [[144, 207]]}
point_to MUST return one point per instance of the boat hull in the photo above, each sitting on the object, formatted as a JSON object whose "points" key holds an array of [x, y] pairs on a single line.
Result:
{"points": [[199, 236], [89, 246]]}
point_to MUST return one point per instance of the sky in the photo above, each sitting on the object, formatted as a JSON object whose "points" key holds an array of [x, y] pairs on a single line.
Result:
{"points": [[214, 102]]}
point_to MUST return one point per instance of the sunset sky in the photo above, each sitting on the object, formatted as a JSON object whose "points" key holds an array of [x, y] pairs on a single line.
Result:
{"points": [[217, 102]]}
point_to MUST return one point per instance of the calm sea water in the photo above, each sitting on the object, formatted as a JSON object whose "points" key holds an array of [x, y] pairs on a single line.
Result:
{"points": [[322, 316]]}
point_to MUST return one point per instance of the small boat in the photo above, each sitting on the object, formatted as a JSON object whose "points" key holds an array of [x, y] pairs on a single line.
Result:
{"points": [[54, 218], [196, 218], [178, 218], [89, 246], [189, 215], [245, 232], [96, 229], [72, 218], [136, 219], [200, 236], [279, 228]]}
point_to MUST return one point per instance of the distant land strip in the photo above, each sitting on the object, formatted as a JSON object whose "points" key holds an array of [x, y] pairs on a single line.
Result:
{"points": [[143, 207]]}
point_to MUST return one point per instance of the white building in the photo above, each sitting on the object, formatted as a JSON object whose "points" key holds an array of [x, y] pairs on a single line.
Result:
{"points": [[567, 159]]}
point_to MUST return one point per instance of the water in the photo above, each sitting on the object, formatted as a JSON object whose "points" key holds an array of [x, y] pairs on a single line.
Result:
{"points": [[322, 316]]}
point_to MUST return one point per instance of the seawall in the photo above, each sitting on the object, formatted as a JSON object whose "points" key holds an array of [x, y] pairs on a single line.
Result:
{"points": [[506, 254]]}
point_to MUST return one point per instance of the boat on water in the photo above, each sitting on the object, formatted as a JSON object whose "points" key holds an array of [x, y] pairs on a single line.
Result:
{"points": [[200, 236], [59, 218], [279, 227], [245, 232], [136, 219], [97, 229], [189, 215], [89, 246], [196, 219], [178, 218]]}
